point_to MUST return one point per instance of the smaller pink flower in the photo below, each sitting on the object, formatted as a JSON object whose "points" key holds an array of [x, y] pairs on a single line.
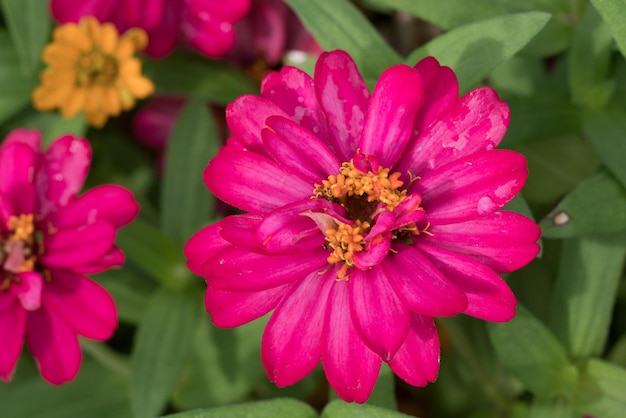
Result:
{"points": [[50, 238], [206, 25]]}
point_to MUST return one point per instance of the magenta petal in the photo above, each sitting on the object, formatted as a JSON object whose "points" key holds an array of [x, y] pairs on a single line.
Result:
{"points": [[110, 203], [54, 346], [232, 309], [379, 315], [73, 10], [246, 118], [292, 342], [388, 126], [146, 14], [299, 150], [252, 182], [208, 34], [69, 248], [17, 163], [473, 186], [504, 241], [293, 91], [114, 258], [32, 138], [441, 91], [375, 252], [488, 296], [230, 11], [417, 360], [351, 367], [238, 269], [424, 289], [477, 122], [343, 95], [240, 230], [203, 245], [163, 38], [12, 331], [62, 174]]}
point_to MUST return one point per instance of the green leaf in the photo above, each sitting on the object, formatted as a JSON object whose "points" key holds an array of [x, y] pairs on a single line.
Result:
{"points": [[186, 204], [597, 205], [338, 24], [589, 60], [162, 344], [95, 393], [560, 407], [601, 390], [532, 354], [613, 12], [153, 253], [130, 289], [341, 409], [195, 76], [474, 50], [29, 25], [384, 393], [15, 87], [275, 408], [605, 133]]}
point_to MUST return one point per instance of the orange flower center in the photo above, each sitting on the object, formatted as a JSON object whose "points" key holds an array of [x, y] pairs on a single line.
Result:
{"points": [[95, 68], [17, 249]]}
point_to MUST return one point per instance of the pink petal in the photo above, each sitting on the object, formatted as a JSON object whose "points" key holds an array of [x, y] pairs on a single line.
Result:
{"points": [[32, 138], [230, 11], [252, 182], [208, 34], [473, 186], [109, 203], [350, 366], [54, 345], [70, 248], [423, 288], [153, 123], [12, 331], [488, 296], [163, 38], [246, 118], [503, 241], [299, 150], [240, 230], [232, 309], [82, 304], [29, 290], [441, 91], [293, 91], [114, 258], [17, 165], [203, 245], [237, 269], [388, 126], [62, 174], [417, 360], [146, 14], [379, 315], [343, 95], [73, 10], [477, 122], [292, 341]]}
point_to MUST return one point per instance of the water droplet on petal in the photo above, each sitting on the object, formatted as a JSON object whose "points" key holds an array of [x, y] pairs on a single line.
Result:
{"points": [[486, 206], [300, 99]]}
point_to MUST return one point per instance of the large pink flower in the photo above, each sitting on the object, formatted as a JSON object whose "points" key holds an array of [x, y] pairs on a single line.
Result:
{"points": [[49, 239], [367, 216], [206, 25]]}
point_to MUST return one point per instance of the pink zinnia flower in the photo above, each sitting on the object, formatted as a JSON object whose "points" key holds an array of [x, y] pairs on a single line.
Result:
{"points": [[206, 25], [49, 239], [367, 216]]}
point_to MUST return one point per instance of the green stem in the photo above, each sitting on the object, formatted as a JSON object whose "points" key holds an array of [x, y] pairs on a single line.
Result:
{"points": [[107, 357]]}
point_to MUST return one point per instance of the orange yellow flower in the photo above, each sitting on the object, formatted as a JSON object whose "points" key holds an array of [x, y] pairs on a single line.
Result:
{"points": [[92, 69]]}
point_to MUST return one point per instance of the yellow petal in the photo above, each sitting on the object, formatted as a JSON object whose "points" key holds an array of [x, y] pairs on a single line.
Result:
{"points": [[74, 103], [97, 120], [133, 40], [70, 35], [130, 67], [139, 86], [58, 54], [95, 100], [113, 101], [109, 38], [91, 27]]}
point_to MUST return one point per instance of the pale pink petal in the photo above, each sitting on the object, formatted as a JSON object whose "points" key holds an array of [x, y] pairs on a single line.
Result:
{"points": [[54, 345], [73, 10], [473, 186], [488, 295], [293, 91], [503, 241], [388, 125], [29, 289], [237, 269], [12, 331], [417, 360], [252, 182], [246, 118], [292, 341], [379, 315], [343, 95], [82, 304], [240, 230], [203, 245], [113, 204], [477, 122], [441, 91], [232, 309], [29, 137], [17, 165], [296, 148], [69, 248], [350, 366], [423, 288], [62, 174]]}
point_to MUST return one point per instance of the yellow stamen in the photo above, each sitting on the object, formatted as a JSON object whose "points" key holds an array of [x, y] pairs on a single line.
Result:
{"points": [[345, 241], [20, 242]]}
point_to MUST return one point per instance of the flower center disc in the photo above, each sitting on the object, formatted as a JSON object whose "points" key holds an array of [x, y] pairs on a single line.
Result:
{"points": [[94, 68], [17, 248]]}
